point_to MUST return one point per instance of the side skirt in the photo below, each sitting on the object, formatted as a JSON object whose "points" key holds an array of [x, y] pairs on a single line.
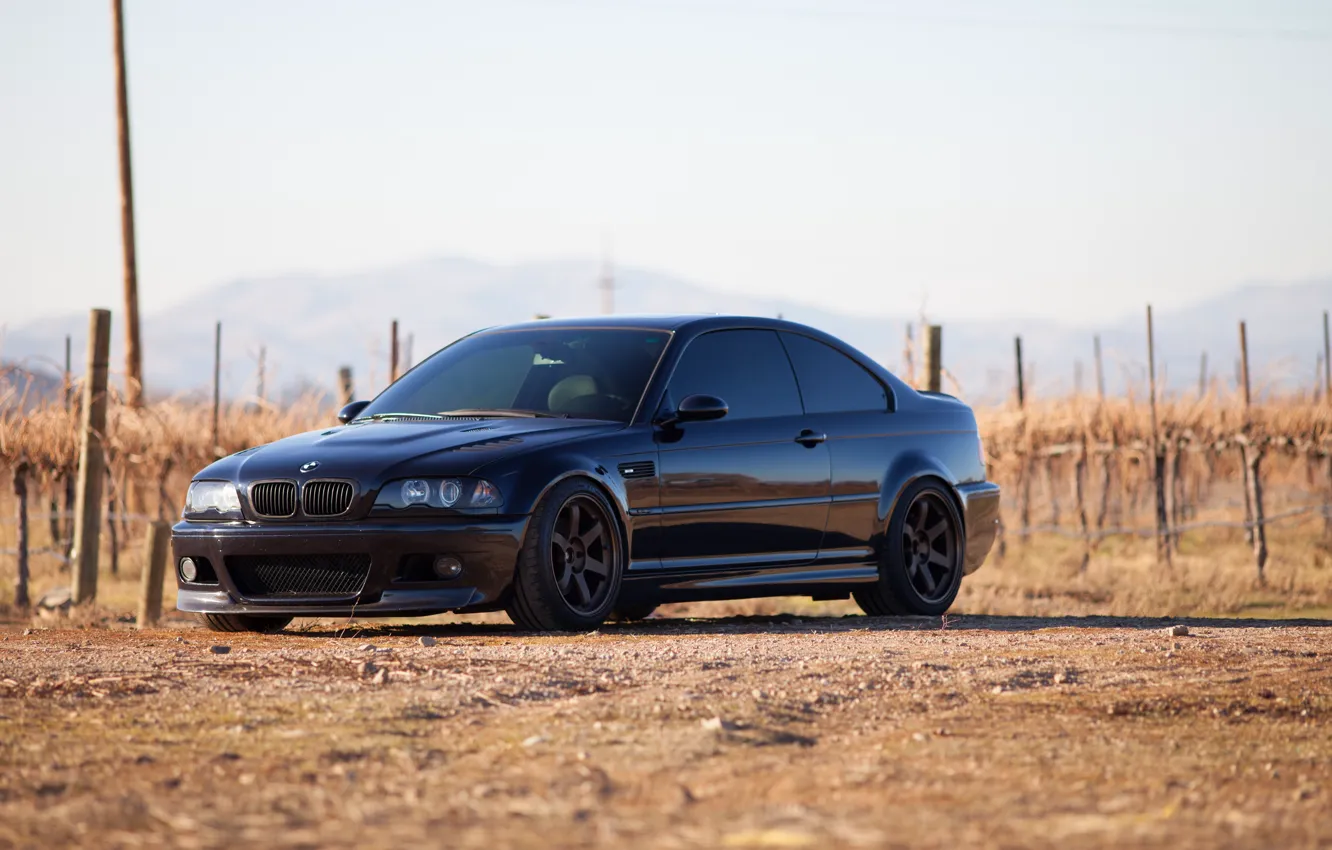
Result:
{"points": [[817, 580]]}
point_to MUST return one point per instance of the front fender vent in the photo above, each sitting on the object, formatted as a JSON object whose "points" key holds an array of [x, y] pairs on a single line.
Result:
{"points": [[487, 445], [638, 469]]}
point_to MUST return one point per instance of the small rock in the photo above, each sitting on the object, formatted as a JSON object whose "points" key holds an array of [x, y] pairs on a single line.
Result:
{"points": [[1178, 631], [758, 694], [219, 649], [717, 724], [58, 598], [366, 647], [426, 640], [919, 736], [380, 678], [534, 740], [27, 631], [365, 668], [1306, 791]]}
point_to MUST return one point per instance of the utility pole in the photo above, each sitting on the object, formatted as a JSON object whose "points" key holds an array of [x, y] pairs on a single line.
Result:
{"points": [[1327, 362], [263, 351], [133, 350], [607, 285]]}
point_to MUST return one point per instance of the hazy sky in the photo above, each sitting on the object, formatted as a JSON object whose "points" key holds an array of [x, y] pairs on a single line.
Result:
{"points": [[1052, 158]]}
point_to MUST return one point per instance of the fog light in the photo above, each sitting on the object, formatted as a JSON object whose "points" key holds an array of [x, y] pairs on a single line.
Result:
{"points": [[447, 566], [188, 569]]}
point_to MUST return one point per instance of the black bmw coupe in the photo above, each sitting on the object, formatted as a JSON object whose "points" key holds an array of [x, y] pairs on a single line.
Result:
{"points": [[571, 471]]}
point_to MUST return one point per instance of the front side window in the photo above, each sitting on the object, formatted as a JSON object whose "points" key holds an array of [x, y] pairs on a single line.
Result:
{"points": [[591, 373], [747, 369]]}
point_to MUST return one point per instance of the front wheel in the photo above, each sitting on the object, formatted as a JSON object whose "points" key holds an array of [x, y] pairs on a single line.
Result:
{"points": [[920, 568], [571, 564], [244, 623]]}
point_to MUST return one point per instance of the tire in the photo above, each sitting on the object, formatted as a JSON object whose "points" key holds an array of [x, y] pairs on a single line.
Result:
{"points": [[920, 567], [267, 625], [557, 586], [626, 612]]}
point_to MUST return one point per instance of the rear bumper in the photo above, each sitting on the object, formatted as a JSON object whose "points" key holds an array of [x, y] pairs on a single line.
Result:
{"points": [[488, 549], [980, 507]]}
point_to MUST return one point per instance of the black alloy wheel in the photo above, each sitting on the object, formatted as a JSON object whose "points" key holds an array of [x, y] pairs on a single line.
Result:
{"points": [[929, 547], [921, 564], [572, 562], [582, 552]]}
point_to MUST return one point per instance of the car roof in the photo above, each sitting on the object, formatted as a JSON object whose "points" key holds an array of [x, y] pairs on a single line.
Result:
{"points": [[654, 321]]}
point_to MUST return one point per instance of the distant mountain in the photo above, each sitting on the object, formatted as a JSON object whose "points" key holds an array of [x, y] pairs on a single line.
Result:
{"points": [[310, 324]]}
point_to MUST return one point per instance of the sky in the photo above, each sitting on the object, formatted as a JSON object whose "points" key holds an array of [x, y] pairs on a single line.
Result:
{"points": [[1043, 158]]}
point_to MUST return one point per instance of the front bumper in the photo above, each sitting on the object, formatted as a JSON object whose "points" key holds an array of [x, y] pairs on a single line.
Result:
{"points": [[980, 508], [488, 548]]}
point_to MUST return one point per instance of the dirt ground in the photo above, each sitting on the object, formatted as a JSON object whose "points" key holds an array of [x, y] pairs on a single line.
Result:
{"points": [[778, 731]]}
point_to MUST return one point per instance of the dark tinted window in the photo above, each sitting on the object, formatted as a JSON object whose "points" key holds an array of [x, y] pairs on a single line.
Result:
{"points": [[831, 382], [746, 369], [596, 373]]}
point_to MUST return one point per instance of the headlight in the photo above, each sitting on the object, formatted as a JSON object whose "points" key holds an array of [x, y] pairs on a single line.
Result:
{"points": [[216, 500], [451, 493]]}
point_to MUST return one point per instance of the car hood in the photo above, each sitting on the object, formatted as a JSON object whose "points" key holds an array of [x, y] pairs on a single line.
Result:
{"points": [[372, 451]]}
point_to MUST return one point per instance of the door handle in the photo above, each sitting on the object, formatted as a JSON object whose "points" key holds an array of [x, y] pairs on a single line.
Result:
{"points": [[809, 438]]}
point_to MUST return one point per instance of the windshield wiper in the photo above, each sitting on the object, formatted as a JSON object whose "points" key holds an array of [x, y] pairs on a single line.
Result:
{"points": [[497, 411]]}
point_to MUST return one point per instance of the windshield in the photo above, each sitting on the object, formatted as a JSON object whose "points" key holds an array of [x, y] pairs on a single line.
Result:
{"points": [[587, 373]]}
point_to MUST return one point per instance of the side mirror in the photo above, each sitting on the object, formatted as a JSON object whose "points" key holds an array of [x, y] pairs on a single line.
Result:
{"points": [[700, 408], [350, 412]]}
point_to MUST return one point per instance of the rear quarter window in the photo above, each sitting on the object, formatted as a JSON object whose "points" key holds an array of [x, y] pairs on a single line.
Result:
{"points": [[831, 382]]}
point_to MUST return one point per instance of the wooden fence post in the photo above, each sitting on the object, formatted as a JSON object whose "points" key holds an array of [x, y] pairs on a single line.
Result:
{"points": [[114, 541], [68, 474], [154, 570], [92, 461], [1021, 388], [21, 600], [1079, 479], [1327, 499], [1244, 464], [217, 385], [345, 385], [934, 358], [393, 351], [1158, 458], [1252, 454]]}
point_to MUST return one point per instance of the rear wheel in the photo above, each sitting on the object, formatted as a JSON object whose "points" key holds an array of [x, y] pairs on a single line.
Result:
{"points": [[244, 623], [920, 569], [571, 564]]}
